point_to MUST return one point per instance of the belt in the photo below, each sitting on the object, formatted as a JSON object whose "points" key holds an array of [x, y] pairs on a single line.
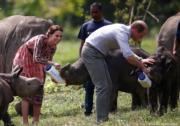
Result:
{"points": [[91, 46]]}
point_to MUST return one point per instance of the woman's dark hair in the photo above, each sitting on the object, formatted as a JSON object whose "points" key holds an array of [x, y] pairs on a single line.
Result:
{"points": [[52, 29]]}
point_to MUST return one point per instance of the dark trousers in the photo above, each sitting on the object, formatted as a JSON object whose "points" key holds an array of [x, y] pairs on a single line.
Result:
{"points": [[89, 92]]}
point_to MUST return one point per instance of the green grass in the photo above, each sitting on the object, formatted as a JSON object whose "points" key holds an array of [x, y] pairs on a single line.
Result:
{"points": [[149, 45], [61, 105]]}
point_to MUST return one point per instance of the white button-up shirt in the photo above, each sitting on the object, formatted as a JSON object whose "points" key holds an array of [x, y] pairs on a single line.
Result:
{"points": [[111, 37]]}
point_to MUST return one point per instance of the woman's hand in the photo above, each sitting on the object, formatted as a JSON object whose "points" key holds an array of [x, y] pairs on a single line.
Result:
{"points": [[57, 66]]}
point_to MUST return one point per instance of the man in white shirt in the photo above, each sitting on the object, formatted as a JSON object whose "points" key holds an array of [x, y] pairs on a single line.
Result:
{"points": [[97, 46]]}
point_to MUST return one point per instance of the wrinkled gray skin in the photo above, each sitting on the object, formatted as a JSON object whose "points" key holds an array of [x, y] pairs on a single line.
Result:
{"points": [[14, 31], [167, 33], [166, 38], [164, 90], [121, 73], [15, 85]]}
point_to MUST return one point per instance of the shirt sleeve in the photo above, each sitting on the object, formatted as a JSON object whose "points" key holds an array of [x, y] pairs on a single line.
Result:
{"points": [[123, 42], [38, 51], [82, 33]]}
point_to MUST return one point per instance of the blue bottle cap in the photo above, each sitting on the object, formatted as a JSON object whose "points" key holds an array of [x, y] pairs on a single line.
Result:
{"points": [[141, 76], [48, 67]]}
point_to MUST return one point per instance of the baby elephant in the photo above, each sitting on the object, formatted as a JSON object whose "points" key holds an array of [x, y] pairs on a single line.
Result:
{"points": [[164, 90], [120, 71], [12, 84]]}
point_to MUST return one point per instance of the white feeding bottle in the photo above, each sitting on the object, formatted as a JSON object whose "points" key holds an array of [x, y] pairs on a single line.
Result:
{"points": [[53, 72], [144, 80]]}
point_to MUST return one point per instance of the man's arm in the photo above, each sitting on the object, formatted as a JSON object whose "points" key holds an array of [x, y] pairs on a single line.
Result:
{"points": [[136, 62]]}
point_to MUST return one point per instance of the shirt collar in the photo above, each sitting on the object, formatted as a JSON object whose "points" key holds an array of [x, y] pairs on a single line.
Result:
{"points": [[98, 21], [129, 29]]}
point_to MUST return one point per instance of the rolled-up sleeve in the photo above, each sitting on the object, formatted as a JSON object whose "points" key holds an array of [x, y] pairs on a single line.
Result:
{"points": [[124, 45]]}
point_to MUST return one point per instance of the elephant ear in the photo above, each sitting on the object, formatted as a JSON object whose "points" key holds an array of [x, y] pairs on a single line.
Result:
{"points": [[16, 71], [15, 68], [9, 77]]}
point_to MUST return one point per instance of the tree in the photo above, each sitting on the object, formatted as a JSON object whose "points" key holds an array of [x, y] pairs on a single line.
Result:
{"points": [[129, 10]]}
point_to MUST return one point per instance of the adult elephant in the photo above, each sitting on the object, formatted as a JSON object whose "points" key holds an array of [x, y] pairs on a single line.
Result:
{"points": [[167, 32], [14, 31], [167, 38]]}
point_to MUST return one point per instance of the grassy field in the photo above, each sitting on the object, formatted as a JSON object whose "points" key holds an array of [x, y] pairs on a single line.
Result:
{"points": [[61, 105]]}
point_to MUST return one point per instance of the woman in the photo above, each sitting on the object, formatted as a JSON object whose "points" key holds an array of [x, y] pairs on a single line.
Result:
{"points": [[33, 56]]}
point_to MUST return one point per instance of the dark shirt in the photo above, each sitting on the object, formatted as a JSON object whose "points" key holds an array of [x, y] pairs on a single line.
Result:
{"points": [[90, 26]]}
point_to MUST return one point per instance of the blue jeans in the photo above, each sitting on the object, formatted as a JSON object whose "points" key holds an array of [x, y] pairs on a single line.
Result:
{"points": [[89, 92]]}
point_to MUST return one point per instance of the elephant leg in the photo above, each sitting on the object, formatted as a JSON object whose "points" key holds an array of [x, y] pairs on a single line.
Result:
{"points": [[153, 97], [163, 101], [164, 98], [136, 102], [113, 101], [174, 95], [143, 99], [18, 109]]}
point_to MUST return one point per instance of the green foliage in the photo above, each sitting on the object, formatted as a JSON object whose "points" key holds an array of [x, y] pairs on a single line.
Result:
{"points": [[39, 7], [70, 33], [58, 11], [75, 12], [124, 9]]}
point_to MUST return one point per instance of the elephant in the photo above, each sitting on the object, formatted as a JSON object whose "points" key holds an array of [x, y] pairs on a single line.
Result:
{"points": [[15, 85], [164, 89], [14, 31], [167, 38], [167, 33], [121, 75]]}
